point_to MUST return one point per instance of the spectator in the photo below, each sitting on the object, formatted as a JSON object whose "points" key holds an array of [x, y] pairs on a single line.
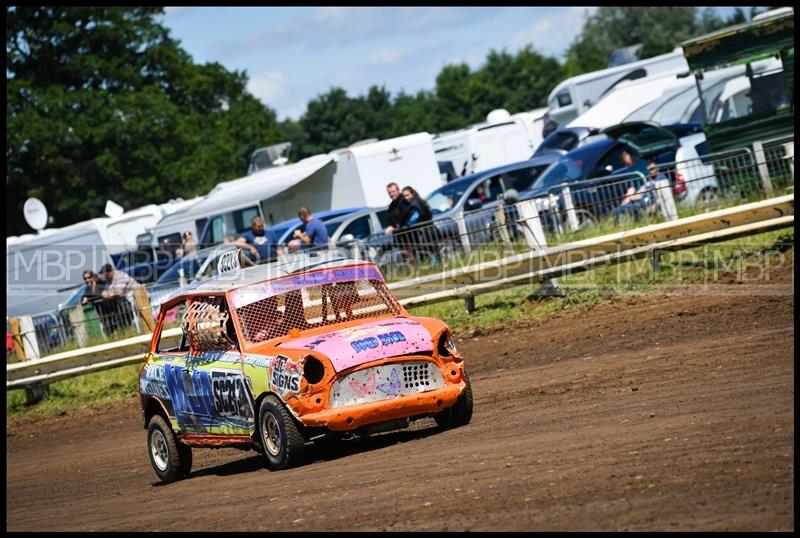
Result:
{"points": [[94, 296], [315, 234], [418, 208], [643, 200], [629, 164], [189, 245], [262, 244], [119, 313], [398, 208]]}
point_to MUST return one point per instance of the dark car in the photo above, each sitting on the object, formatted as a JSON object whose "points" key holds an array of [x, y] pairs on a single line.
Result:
{"points": [[565, 139], [597, 179]]}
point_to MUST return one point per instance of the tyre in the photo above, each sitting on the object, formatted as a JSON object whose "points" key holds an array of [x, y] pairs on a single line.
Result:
{"points": [[280, 437], [171, 460], [460, 413], [707, 196], [585, 218]]}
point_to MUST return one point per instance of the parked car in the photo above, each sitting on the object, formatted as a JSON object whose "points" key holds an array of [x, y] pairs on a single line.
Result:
{"points": [[477, 195], [565, 139], [145, 264], [593, 170], [316, 349], [284, 230]]}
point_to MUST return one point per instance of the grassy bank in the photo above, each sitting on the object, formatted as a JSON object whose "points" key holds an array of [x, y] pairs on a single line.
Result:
{"points": [[695, 267]]}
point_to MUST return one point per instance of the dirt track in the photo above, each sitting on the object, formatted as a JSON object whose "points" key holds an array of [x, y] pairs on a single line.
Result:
{"points": [[653, 413]]}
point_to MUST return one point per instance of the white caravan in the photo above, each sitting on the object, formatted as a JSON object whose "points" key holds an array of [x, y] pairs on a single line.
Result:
{"points": [[44, 269], [576, 95], [350, 177], [503, 139]]}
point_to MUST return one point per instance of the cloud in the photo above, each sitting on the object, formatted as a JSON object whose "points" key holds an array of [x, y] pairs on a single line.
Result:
{"points": [[388, 56], [268, 86], [553, 34], [339, 27]]}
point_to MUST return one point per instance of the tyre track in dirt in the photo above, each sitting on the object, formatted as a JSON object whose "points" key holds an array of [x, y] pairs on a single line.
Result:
{"points": [[655, 412]]}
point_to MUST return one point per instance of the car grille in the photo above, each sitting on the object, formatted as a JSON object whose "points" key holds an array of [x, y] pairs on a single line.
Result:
{"points": [[385, 382]]}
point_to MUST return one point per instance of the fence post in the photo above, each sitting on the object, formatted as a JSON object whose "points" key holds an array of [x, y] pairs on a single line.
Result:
{"points": [[531, 225], [28, 333], [469, 304], [143, 306], [572, 217], [30, 351], [763, 171], [462, 233], [500, 220], [16, 336], [789, 149], [78, 321], [666, 202]]}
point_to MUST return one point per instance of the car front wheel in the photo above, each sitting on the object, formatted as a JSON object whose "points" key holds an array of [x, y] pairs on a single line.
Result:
{"points": [[281, 439], [171, 460], [460, 413]]}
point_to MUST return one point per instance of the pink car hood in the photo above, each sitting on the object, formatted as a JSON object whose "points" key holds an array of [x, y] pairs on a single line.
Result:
{"points": [[368, 342]]}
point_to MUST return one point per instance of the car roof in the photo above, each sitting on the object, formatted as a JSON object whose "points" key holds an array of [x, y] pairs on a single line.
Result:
{"points": [[294, 263], [354, 214]]}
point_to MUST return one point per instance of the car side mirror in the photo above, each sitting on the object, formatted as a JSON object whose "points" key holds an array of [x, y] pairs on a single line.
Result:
{"points": [[472, 203], [346, 239]]}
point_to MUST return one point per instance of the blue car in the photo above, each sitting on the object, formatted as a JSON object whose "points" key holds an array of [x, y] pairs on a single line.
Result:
{"points": [[478, 194], [597, 180]]}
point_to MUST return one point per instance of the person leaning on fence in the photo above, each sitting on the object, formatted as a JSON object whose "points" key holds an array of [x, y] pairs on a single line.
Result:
{"points": [[315, 234], [642, 200], [94, 296], [119, 313], [260, 243], [418, 213], [189, 245]]}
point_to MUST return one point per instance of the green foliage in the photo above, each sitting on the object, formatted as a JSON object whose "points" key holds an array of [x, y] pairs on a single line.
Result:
{"points": [[103, 104], [658, 28]]}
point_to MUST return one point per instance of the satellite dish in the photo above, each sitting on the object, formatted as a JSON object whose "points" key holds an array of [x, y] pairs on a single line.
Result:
{"points": [[113, 210], [498, 115], [35, 213]]}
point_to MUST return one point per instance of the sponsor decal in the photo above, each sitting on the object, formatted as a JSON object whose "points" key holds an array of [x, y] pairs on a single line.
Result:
{"points": [[230, 394], [373, 342], [285, 375]]}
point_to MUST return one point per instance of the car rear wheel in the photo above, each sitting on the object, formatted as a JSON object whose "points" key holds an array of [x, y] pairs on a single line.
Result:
{"points": [[281, 438], [171, 460], [460, 413], [707, 196]]}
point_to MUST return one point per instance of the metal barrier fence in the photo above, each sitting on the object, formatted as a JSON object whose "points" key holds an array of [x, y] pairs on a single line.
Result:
{"points": [[589, 208]]}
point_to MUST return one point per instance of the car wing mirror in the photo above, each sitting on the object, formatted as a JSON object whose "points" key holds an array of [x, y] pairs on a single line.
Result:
{"points": [[346, 239], [472, 203]]}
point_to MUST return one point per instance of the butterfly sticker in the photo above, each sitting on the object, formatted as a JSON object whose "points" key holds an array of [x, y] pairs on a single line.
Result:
{"points": [[392, 388], [362, 389]]}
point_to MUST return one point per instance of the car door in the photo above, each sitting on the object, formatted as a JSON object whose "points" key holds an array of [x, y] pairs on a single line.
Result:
{"points": [[487, 192], [205, 382]]}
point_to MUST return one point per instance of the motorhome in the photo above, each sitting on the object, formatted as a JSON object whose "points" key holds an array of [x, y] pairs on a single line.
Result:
{"points": [[576, 95], [45, 268], [354, 176], [502, 139]]}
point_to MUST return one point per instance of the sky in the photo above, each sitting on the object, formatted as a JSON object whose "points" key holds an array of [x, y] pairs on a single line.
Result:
{"points": [[292, 55]]}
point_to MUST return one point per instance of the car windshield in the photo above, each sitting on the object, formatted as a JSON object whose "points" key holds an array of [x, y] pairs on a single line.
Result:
{"points": [[313, 299], [444, 198], [189, 264], [565, 140], [570, 167]]}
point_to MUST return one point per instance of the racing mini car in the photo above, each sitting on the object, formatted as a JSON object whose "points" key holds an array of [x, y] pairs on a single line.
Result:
{"points": [[277, 356]]}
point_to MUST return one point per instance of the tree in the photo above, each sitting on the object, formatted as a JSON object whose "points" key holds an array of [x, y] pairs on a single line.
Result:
{"points": [[103, 104], [658, 28]]}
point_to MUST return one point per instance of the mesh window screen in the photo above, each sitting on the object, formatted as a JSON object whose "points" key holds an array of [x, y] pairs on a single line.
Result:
{"points": [[316, 306]]}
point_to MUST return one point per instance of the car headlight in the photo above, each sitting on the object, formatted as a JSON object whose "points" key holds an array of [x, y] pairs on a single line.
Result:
{"points": [[446, 345]]}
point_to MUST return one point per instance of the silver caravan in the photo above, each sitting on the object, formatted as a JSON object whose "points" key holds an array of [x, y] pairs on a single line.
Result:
{"points": [[576, 95], [503, 139], [350, 177]]}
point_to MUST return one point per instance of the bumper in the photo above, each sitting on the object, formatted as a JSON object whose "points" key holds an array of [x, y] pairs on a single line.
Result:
{"points": [[351, 417]]}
